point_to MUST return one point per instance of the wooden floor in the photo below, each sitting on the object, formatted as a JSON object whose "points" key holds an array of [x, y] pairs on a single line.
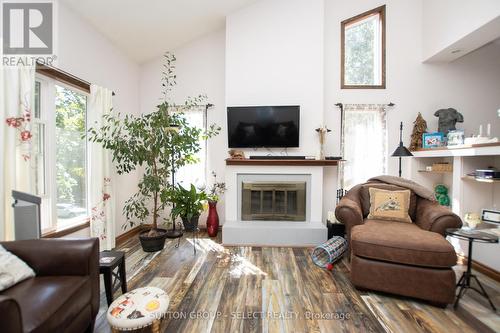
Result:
{"points": [[253, 289]]}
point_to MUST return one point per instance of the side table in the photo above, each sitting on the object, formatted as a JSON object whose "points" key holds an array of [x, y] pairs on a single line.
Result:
{"points": [[465, 281], [108, 261]]}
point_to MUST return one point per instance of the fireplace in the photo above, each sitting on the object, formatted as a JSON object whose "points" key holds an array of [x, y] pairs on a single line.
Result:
{"points": [[269, 205], [273, 201]]}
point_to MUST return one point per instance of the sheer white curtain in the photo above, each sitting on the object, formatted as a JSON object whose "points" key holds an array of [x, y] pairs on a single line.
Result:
{"points": [[364, 143], [195, 173], [17, 87], [102, 196]]}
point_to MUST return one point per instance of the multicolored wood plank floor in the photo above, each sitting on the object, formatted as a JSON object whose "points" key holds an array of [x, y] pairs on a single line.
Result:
{"points": [[263, 289]]}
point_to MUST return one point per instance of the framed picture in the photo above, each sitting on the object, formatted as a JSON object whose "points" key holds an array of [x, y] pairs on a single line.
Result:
{"points": [[490, 216], [432, 140], [456, 137]]}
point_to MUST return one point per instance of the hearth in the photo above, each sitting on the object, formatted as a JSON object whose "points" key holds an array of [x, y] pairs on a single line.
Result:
{"points": [[273, 201]]}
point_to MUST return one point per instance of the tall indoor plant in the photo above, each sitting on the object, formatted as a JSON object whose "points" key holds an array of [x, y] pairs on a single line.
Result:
{"points": [[161, 142]]}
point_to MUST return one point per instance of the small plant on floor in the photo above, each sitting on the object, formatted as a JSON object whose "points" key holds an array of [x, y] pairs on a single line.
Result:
{"points": [[160, 142], [188, 205]]}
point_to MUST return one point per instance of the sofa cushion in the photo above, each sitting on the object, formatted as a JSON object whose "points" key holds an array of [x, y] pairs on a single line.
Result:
{"points": [[389, 205], [403, 243], [50, 303], [364, 197]]}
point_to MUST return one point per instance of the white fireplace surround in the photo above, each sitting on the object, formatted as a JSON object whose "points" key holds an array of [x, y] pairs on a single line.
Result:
{"points": [[274, 233], [274, 178]]}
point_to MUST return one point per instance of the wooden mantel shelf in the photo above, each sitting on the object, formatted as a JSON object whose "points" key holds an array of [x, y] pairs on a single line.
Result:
{"points": [[247, 161]]}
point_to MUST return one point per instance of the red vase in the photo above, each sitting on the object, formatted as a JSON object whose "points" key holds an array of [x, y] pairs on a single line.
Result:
{"points": [[212, 219]]}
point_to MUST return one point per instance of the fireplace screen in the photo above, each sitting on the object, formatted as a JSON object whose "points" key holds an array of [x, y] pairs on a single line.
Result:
{"points": [[273, 201]]}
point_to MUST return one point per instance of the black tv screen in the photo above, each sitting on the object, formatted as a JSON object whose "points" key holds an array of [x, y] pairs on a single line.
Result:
{"points": [[263, 126]]}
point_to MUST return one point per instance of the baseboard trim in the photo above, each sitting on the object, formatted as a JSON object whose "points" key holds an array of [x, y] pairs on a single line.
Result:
{"points": [[120, 239], [481, 268]]}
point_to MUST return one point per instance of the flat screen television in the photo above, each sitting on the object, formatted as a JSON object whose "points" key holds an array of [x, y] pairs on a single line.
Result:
{"points": [[263, 126]]}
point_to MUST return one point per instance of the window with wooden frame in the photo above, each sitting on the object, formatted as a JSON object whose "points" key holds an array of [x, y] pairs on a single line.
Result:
{"points": [[363, 50], [60, 160]]}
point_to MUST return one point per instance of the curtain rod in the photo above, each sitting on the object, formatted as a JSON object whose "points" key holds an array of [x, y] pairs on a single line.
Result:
{"points": [[208, 105], [69, 78], [340, 105]]}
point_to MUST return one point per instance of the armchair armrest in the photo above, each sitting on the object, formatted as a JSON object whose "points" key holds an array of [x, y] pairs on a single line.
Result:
{"points": [[49, 257], [10, 315], [433, 217], [58, 256], [349, 211]]}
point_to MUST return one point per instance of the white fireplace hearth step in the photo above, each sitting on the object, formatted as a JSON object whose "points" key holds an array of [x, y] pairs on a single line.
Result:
{"points": [[263, 233]]}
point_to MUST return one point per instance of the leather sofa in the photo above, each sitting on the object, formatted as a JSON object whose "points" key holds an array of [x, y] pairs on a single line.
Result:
{"points": [[409, 259], [64, 294]]}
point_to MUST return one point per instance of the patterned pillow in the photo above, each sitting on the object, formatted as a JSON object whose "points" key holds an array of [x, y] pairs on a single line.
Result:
{"points": [[12, 269], [389, 205]]}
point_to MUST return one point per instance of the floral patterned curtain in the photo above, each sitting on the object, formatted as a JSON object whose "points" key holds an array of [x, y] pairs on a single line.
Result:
{"points": [[364, 143], [102, 196], [16, 99]]}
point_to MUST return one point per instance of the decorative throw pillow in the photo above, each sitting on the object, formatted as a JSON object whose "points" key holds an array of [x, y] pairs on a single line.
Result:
{"points": [[389, 205], [12, 269]]}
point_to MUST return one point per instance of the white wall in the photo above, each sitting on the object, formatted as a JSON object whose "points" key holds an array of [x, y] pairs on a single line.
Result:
{"points": [[85, 53], [200, 70], [274, 56], [447, 21], [469, 84]]}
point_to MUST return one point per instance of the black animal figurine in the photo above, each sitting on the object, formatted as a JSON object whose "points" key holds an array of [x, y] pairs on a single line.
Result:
{"points": [[447, 119]]}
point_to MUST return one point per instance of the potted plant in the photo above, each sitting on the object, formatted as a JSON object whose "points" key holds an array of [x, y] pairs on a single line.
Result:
{"points": [[188, 205], [214, 193], [160, 142]]}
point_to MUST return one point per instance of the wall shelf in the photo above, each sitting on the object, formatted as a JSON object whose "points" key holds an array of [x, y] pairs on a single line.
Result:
{"points": [[280, 162], [479, 180], [485, 149], [467, 193], [437, 172]]}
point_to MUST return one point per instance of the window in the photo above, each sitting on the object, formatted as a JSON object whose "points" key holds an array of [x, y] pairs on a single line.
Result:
{"points": [[60, 153], [364, 143], [363, 50], [38, 141], [195, 173], [71, 155]]}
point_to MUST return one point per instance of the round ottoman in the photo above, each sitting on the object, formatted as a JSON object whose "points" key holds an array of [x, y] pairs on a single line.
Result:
{"points": [[138, 308]]}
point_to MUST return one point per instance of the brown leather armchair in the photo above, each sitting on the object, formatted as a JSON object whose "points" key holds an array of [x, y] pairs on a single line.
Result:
{"points": [[64, 294], [409, 259]]}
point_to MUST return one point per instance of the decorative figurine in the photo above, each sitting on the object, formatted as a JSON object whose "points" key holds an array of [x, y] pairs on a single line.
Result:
{"points": [[419, 128], [322, 139], [441, 194], [237, 154], [447, 119]]}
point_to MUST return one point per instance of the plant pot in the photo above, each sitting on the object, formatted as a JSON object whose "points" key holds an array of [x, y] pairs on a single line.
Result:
{"points": [[190, 224], [155, 243], [212, 219]]}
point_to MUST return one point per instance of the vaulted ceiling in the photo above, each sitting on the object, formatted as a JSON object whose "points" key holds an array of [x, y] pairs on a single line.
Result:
{"points": [[145, 29]]}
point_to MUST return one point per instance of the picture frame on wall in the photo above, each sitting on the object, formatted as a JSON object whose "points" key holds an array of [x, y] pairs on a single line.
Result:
{"points": [[456, 137], [433, 140]]}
